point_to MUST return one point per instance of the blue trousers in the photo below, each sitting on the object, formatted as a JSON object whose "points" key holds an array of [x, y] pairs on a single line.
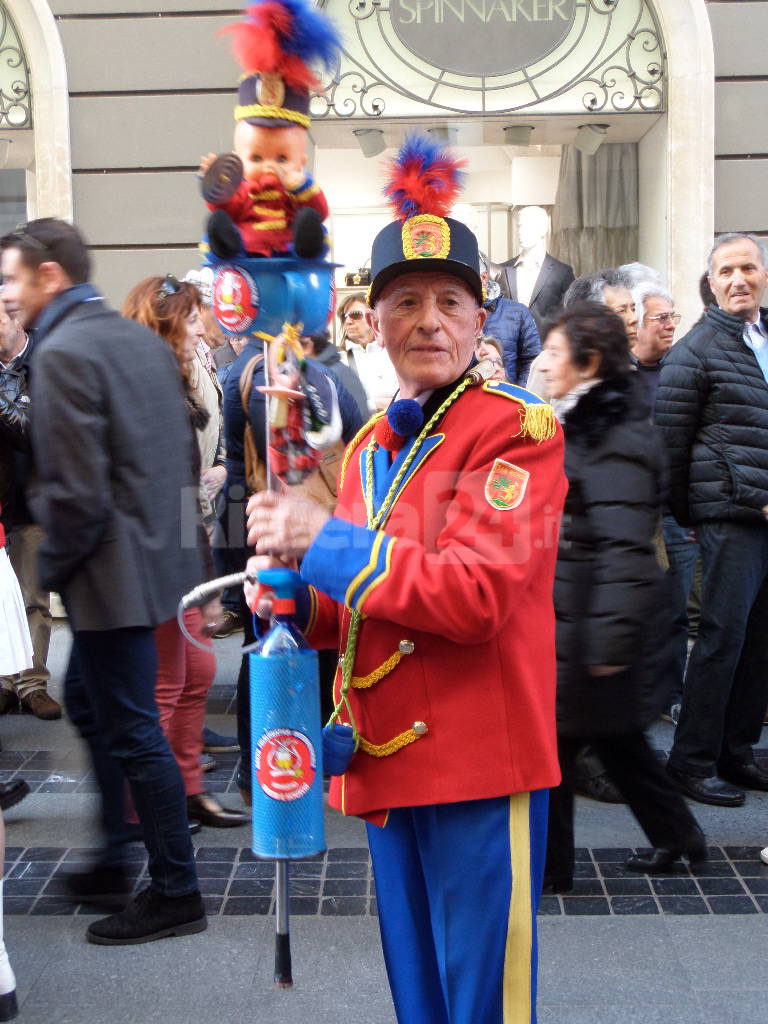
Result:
{"points": [[111, 697], [458, 888], [726, 685]]}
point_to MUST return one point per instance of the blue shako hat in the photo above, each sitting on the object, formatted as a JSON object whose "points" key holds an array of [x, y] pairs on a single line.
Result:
{"points": [[268, 101], [422, 187], [276, 42]]}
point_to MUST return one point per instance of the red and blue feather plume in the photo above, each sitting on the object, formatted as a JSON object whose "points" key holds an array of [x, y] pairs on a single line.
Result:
{"points": [[283, 37], [423, 178]]}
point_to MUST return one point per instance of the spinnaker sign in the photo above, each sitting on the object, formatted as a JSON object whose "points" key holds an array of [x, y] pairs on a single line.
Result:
{"points": [[482, 37]]}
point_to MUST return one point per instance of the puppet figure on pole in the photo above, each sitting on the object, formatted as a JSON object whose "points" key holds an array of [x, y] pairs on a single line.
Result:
{"points": [[265, 239], [266, 244]]}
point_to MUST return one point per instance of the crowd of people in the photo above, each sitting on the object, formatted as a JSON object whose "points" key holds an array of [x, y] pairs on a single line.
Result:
{"points": [[127, 453]]}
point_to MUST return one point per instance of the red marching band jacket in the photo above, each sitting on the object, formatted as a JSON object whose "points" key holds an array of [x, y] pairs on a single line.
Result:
{"points": [[453, 686]]}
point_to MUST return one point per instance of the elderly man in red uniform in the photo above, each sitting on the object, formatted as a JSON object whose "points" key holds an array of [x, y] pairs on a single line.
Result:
{"points": [[434, 577]]}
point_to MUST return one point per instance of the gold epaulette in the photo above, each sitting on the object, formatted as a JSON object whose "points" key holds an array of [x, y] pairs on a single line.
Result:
{"points": [[537, 417]]}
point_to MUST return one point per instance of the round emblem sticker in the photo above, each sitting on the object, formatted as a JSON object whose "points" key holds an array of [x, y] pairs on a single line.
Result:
{"points": [[235, 300], [285, 764]]}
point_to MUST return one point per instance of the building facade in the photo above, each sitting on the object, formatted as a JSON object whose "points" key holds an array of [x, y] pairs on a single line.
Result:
{"points": [[125, 95]]}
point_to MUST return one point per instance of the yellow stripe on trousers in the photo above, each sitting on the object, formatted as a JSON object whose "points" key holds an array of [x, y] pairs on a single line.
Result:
{"points": [[517, 956]]}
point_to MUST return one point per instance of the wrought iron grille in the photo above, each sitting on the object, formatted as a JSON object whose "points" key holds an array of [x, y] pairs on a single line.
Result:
{"points": [[612, 59], [15, 98]]}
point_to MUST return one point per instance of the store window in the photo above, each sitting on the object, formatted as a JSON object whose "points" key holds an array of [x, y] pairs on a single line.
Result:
{"points": [[13, 198]]}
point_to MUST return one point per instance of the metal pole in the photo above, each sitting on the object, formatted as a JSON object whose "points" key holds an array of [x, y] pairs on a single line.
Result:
{"points": [[283, 975], [283, 970]]}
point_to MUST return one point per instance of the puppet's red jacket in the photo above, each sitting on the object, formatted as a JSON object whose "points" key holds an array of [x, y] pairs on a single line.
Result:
{"points": [[264, 217], [454, 673]]}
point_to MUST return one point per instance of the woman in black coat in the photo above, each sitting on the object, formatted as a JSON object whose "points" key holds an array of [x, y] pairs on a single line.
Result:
{"points": [[610, 598]]}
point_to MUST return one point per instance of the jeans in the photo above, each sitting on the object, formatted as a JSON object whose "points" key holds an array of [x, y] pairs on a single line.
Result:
{"points": [[110, 696], [683, 554], [726, 685]]}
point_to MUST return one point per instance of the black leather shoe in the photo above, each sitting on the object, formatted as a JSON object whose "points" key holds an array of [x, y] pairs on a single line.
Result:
{"points": [[13, 792], [203, 808], [660, 859], [148, 917], [748, 776], [713, 790]]}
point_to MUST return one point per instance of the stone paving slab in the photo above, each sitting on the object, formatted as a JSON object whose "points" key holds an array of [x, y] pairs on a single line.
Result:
{"points": [[339, 883]]}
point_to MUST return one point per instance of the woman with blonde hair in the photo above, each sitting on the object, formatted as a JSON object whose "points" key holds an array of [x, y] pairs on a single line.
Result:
{"points": [[171, 309]]}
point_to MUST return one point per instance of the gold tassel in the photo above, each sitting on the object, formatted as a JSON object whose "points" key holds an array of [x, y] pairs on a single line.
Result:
{"points": [[538, 422]]}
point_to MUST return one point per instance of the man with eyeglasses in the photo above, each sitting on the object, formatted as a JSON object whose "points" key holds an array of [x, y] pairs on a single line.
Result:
{"points": [[656, 322], [363, 354], [112, 448]]}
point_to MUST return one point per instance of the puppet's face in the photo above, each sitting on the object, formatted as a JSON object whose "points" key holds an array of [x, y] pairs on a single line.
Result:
{"points": [[268, 153]]}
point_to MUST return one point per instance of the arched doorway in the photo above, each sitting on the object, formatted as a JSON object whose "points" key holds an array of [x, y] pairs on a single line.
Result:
{"points": [[664, 103], [44, 150]]}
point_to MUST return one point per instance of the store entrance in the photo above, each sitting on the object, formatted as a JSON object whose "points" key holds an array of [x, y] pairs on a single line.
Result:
{"points": [[606, 208]]}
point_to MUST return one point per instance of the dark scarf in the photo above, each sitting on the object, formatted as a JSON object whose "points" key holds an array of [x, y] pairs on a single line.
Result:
{"points": [[58, 308]]}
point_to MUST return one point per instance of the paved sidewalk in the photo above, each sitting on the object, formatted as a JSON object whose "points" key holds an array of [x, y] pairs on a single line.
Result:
{"points": [[685, 948]]}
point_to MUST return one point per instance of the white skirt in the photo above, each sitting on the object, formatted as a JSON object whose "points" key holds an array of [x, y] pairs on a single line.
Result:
{"points": [[15, 642]]}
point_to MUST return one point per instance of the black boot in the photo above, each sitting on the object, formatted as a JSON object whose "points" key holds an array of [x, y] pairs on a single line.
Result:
{"points": [[150, 916], [223, 237], [661, 858], [308, 234]]}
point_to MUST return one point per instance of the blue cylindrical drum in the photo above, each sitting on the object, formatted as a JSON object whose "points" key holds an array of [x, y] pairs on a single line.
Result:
{"points": [[287, 767]]}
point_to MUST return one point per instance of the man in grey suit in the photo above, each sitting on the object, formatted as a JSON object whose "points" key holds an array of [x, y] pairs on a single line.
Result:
{"points": [[112, 452]]}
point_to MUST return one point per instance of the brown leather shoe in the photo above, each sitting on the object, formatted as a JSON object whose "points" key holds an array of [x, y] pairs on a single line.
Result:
{"points": [[8, 701], [227, 624], [40, 704]]}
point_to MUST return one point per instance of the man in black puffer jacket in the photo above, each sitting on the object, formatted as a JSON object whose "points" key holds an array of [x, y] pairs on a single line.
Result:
{"points": [[712, 406]]}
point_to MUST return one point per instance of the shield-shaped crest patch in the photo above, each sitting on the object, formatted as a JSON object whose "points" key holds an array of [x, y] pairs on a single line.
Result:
{"points": [[505, 485]]}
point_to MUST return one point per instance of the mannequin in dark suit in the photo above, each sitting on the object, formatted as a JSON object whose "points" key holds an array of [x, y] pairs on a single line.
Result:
{"points": [[553, 278]]}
